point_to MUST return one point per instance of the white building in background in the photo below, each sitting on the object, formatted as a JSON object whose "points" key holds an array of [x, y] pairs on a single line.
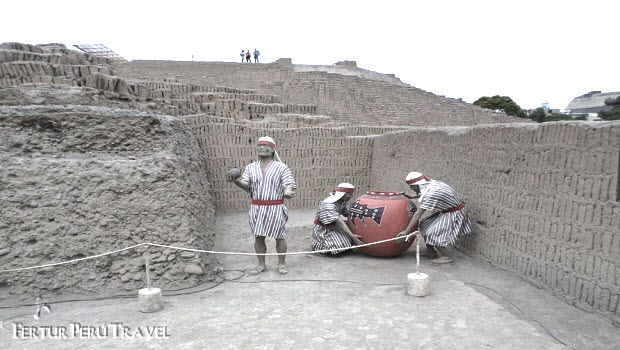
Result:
{"points": [[591, 104]]}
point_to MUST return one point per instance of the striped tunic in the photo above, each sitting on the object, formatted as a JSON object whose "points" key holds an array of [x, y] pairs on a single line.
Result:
{"points": [[268, 220], [328, 235], [442, 228]]}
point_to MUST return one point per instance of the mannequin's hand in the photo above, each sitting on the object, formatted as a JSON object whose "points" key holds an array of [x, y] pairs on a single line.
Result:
{"points": [[289, 193], [233, 174]]}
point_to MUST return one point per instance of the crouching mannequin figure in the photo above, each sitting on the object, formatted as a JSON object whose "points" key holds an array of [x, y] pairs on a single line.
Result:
{"points": [[448, 219], [330, 229]]}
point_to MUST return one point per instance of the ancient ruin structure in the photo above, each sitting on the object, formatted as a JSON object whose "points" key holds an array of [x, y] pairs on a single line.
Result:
{"points": [[99, 156]]}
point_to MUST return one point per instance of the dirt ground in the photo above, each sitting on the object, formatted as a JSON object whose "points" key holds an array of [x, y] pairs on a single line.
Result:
{"points": [[354, 301]]}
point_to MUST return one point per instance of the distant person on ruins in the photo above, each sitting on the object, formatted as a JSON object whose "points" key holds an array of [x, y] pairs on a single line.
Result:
{"points": [[242, 55], [448, 219], [256, 54], [268, 181], [330, 229], [247, 56]]}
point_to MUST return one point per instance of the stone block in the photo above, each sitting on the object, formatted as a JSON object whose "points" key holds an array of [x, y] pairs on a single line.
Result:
{"points": [[142, 92], [613, 303], [121, 87], [92, 81], [193, 269]]}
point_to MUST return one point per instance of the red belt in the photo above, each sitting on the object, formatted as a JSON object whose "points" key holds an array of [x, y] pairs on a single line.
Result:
{"points": [[458, 207], [272, 202]]}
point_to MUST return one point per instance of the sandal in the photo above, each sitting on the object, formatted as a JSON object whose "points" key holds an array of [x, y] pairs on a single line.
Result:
{"points": [[257, 270], [283, 270]]}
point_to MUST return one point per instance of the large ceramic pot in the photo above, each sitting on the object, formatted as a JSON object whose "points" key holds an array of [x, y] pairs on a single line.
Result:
{"points": [[379, 215]]}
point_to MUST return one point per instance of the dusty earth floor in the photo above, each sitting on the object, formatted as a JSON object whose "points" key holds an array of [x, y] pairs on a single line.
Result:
{"points": [[353, 301]]}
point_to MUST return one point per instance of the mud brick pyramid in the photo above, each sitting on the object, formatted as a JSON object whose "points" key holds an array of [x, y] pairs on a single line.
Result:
{"points": [[98, 156]]}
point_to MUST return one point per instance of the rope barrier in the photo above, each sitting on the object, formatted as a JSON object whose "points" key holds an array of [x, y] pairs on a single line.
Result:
{"points": [[72, 261], [407, 237]]}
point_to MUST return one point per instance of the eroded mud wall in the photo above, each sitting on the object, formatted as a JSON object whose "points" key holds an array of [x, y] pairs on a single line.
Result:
{"points": [[82, 180]]}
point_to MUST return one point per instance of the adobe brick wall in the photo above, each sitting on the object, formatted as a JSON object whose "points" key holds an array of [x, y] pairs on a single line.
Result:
{"points": [[319, 158], [350, 98], [543, 198]]}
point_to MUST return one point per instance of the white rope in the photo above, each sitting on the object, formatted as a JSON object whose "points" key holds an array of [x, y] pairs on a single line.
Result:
{"points": [[276, 254], [74, 260], [209, 252]]}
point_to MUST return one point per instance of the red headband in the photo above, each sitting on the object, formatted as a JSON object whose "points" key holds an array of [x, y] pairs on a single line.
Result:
{"points": [[344, 189], [412, 181], [267, 143]]}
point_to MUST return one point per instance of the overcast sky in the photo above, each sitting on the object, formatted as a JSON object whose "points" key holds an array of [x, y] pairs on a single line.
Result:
{"points": [[533, 51]]}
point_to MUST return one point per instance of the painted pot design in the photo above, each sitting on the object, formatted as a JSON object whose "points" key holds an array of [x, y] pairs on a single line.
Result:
{"points": [[379, 215]]}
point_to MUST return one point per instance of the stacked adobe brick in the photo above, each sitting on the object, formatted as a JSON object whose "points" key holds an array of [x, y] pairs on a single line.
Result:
{"points": [[543, 198], [357, 97], [320, 157], [22, 64]]}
